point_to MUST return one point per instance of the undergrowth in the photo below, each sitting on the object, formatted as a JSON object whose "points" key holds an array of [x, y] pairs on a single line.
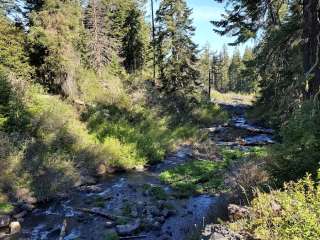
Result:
{"points": [[291, 213]]}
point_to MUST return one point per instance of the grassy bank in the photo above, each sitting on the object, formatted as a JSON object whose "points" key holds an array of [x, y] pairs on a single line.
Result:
{"points": [[49, 144]]}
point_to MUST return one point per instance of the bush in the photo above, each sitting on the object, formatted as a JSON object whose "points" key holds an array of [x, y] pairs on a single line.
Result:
{"points": [[299, 151], [293, 213]]}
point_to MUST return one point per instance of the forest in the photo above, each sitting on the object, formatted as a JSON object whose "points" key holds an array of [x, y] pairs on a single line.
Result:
{"points": [[115, 124]]}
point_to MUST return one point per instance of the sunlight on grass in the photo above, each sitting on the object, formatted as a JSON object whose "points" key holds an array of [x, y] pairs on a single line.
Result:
{"points": [[233, 98], [6, 208], [195, 177]]}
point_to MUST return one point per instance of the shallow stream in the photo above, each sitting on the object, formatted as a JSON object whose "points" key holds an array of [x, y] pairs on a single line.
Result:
{"points": [[127, 193]]}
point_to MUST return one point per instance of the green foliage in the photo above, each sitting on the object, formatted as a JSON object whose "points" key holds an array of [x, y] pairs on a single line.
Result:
{"points": [[157, 192], [111, 235], [206, 114], [54, 37], [138, 135], [13, 57], [6, 208], [176, 53], [284, 215], [229, 155], [195, 177], [299, 151]]}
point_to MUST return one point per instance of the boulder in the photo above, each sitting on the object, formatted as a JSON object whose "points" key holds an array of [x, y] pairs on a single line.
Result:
{"points": [[26, 196], [4, 221], [237, 212], [15, 227], [129, 228], [219, 232], [85, 181]]}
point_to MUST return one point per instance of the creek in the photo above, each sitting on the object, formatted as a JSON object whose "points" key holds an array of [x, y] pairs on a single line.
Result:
{"points": [[127, 198]]}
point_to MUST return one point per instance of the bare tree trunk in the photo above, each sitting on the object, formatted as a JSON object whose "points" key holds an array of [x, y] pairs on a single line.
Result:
{"points": [[311, 46]]}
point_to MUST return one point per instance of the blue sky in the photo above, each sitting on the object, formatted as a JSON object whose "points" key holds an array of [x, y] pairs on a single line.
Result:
{"points": [[205, 11]]}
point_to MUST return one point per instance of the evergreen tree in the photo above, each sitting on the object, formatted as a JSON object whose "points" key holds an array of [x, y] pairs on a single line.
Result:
{"points": [[216, 71], [224, 69], [235, 81], [249, 74], [135, 41], [54, 35], [101, 45], [204, 66], [177, 54]]}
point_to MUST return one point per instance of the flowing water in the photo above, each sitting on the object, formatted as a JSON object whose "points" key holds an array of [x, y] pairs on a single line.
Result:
{"points": [[162, 219]]}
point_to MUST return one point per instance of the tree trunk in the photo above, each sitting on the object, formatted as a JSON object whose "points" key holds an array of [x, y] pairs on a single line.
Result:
{"points": [[311, 46]]}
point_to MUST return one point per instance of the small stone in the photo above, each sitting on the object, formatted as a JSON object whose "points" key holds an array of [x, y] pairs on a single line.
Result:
{"points": [[161, 219], [156, 226], [15, 227], [101, 169], [4, 220], [110, 224], [129, 228], [140, 168], [134, 212], [165, 213]]}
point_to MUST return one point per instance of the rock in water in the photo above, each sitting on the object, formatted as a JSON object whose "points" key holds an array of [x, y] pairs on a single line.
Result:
{"points": [[15, 227], [219, 232], [129, 228], [4, 220]]}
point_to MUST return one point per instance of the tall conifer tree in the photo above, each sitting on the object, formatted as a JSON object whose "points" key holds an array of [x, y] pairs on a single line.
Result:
{"points": [[176, 52]]}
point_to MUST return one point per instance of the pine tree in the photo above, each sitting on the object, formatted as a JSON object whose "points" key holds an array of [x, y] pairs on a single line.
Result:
{"points": [[235, 81], [176, 52], [135, 40], [249, 74], [224, 69], [204, 66], [101, 45], [54, 35], [217, 71]]}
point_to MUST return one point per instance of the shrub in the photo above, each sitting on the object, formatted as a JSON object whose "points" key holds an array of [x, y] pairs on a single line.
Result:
{"points": [[299, 151], [293, 213]]}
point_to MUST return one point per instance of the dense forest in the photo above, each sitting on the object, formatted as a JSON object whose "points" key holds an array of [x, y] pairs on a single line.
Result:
{"points": [[93, 89]]}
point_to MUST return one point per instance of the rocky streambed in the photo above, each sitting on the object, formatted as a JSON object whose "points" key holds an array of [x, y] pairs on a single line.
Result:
{"points": [[138, 205]]}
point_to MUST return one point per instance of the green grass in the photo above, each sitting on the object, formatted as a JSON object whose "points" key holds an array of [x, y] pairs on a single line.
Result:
{"points": [[195, 177], [229, 155], [156, 192], [6, 208], [111, 235], [231, 97]]}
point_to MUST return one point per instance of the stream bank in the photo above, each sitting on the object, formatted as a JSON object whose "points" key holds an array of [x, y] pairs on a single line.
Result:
{"points": [[138, 204]]}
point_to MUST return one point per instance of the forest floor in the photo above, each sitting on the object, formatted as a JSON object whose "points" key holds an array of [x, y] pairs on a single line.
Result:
{"points": [[174, 200]]}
